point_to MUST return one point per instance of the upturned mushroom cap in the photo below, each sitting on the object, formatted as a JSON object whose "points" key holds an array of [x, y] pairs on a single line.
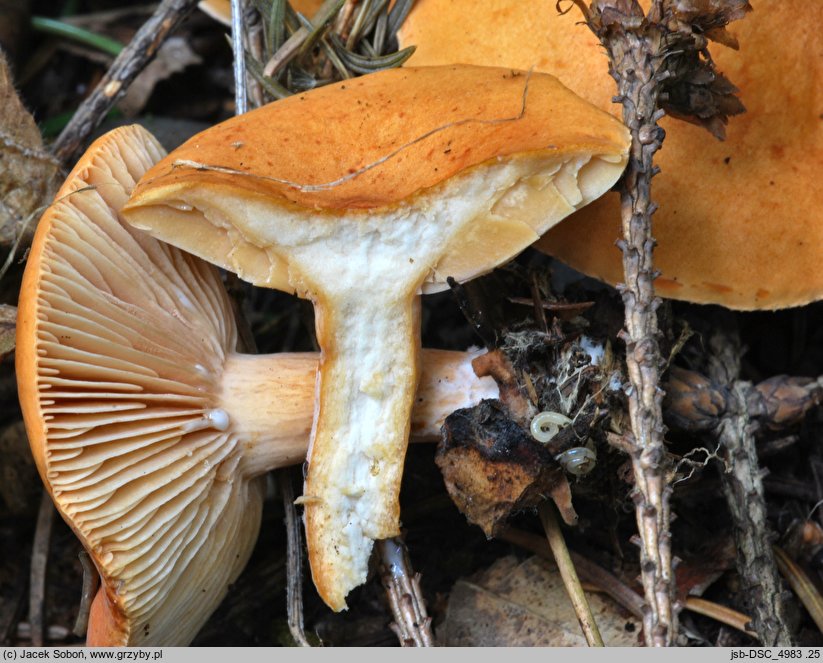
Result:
{"points": [[147, 428], [385, 142], [358, 196], [739, 221]]}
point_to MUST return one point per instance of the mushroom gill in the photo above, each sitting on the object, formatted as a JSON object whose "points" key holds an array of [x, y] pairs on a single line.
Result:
{"points": [[121, 343]]}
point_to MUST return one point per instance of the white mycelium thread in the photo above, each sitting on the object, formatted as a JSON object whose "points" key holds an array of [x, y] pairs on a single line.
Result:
{"points": [[131, 338]]}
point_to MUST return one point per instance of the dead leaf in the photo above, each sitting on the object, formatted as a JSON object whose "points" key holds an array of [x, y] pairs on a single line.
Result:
{"points": [[524, 604], [173, 56], [28, 173], [8, 326], [698, 571]]}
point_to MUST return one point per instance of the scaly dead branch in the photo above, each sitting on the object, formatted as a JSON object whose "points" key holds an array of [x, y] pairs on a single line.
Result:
{"points": [[658, 61]]}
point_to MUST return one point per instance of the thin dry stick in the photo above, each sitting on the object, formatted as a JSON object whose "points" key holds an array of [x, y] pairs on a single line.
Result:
{"points": [[636, 57], [294, 562], [91, 582], [719, 613], [240, 97], [590, 572], [254, 38], [125, 68], [285, 53], [412, 625], [569, 575], [39, 565]]}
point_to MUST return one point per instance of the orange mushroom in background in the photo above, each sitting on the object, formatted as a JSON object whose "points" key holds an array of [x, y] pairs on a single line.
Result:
{"points": [[220, 10], [739, 222]]}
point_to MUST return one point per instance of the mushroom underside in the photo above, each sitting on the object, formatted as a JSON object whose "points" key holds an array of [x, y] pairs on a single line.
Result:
{"points": [[121, 342]]}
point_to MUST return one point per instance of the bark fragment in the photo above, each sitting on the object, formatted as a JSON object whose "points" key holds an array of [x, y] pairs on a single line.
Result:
{"points": [[492, 468]]}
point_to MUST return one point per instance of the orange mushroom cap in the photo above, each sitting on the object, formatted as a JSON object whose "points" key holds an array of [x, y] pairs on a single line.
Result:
{"points": [[220, 10], [739, 222]]}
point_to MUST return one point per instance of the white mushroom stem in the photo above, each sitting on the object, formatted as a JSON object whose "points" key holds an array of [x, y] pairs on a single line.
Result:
{"points": [[269, 400], [366, 383]]}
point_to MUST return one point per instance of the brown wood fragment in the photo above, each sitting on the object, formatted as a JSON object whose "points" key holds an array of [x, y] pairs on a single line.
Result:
{"points": [[492, 468], [412, 625]]}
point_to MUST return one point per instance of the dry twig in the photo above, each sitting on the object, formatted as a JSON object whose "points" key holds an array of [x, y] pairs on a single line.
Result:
{"points": [[91, 582], [569, 575], [635, 62], [120, 75], [719, 613], [590, 572], [743, 488], [802, 585], [39, 565], [654, 59], [294, 562], [412, 625], [241, 103]]}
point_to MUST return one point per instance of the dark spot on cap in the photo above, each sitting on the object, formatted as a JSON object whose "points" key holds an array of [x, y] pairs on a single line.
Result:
{"points": [[727, 160]]}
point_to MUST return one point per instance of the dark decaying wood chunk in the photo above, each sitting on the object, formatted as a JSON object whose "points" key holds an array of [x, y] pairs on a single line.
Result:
{"points": [[492, 468]]}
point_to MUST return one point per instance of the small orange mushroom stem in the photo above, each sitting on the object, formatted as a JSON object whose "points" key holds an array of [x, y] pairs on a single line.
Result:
{"points": [[270, 399]]}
